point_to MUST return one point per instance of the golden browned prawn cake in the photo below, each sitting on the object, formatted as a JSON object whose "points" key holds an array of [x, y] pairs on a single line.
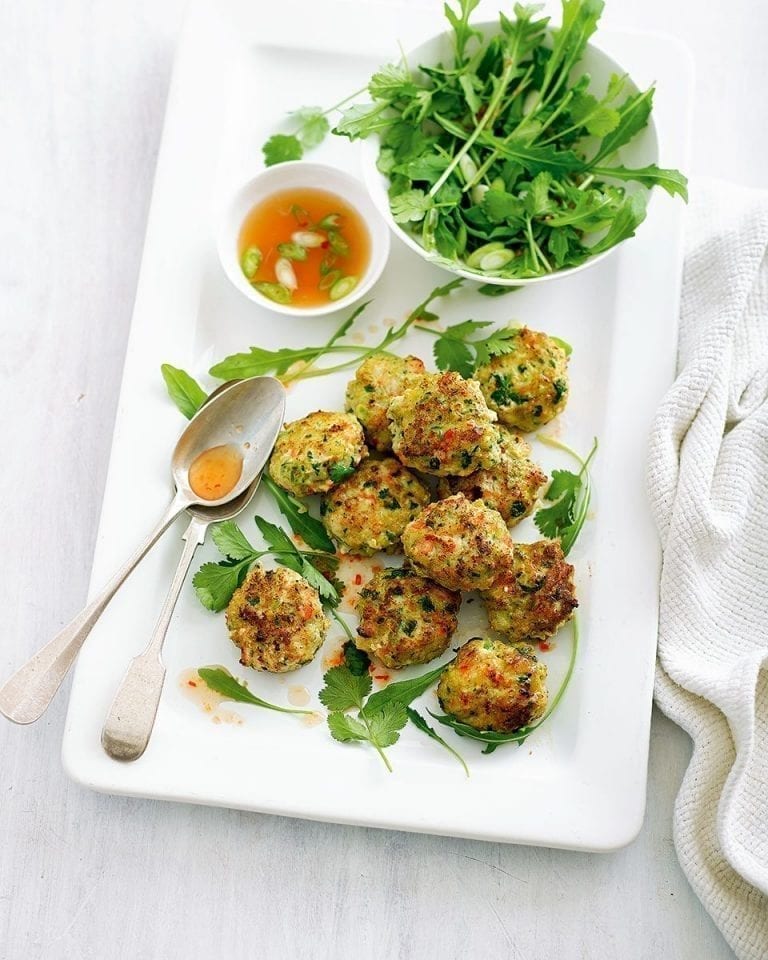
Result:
{"points": [[377, 381], [461, 544], [535, 595], [405, 618], [315, 453], [512, 487], [441, 425], [528, 386], [276, 619], [492, 685], [369, 510]]}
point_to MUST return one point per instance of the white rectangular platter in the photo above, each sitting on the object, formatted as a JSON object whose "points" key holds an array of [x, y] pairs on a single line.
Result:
{"points": [[577, 783]]}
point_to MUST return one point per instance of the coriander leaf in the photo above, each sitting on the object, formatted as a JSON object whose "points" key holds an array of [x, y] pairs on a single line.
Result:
{"points": [[362, 119], [215, 583], [500, 206], [277, 539], [385, 724], [402, 692], [327, 591], [357, 660], [495, 345], [421, 724], [185, 392], [454, 355], [553, 521], [313, 126], [412, 205], [672, 181], [390, 82], [344, 689], [221, 681], [231, 541], [427, 167], [570, 495], [300, 520], [345, 728], [281, 147]]}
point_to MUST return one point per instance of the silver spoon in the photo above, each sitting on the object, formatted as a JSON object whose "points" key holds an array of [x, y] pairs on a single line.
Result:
{"points": [[247, 412], [131, 717]]}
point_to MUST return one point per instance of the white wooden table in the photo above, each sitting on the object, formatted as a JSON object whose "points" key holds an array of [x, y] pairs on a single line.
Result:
{"points": [[82, 92]]}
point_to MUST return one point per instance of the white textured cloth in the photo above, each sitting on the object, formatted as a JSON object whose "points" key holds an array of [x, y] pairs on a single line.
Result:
{"points": [[708, 478]]}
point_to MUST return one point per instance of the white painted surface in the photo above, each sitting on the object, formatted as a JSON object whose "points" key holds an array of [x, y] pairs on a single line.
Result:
{"points": [[83, 86]]}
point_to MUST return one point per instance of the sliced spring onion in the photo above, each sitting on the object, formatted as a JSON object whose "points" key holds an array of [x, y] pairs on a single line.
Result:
{"points": [[474, 259], [285, 273], [273, 291], [337, 243], [329, 279], [342, 287], [327, 264], [332, 220], [301, 216], [293, 251], [251, 261], [496, 259], [308, 238]]}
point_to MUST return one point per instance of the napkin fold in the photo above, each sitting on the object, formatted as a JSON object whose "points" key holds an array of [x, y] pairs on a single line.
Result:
{"points": [[708, 481]]}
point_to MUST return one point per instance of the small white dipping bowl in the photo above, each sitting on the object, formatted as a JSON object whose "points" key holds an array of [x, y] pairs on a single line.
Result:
{"points": [[297, 174], [641, 151]]}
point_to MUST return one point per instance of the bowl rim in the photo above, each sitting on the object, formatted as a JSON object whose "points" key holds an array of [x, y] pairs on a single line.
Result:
{"points": [[371, 176], [282, 176]]}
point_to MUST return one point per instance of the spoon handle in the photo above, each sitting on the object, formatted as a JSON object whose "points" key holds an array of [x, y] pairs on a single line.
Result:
{"points": [[131, 717], [25, 697]]}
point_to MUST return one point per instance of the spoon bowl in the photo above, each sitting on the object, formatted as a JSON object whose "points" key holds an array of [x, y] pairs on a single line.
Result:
{"points": [[246, 414]]}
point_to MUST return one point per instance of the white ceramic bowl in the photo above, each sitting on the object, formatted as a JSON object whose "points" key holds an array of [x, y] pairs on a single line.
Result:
{"points": [[641, 151], [284, 176]]}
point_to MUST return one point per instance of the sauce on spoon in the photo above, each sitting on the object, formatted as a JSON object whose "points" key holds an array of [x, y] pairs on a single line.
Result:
{"points": [[214, 472]]}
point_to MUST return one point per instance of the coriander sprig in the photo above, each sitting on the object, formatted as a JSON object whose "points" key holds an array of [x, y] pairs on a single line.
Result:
{"points": [[570, 495], [215, 583], [491, 738], [454, 348], [381, 715]]}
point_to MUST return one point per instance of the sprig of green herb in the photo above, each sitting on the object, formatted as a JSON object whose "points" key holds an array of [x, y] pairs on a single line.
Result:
{"points": [[311, 127], [380, 716], [421, 724], [183, 389], [214, 583], [221, 681], [570, 495], [454, 348], [258, 361], [491, 738]]}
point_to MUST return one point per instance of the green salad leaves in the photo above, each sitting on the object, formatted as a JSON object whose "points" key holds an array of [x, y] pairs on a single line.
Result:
{"points": [[498, 160]]}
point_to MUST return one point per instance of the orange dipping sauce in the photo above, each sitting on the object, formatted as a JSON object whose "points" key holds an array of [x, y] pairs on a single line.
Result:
{"points": [[215, 472], [307, 237]]}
